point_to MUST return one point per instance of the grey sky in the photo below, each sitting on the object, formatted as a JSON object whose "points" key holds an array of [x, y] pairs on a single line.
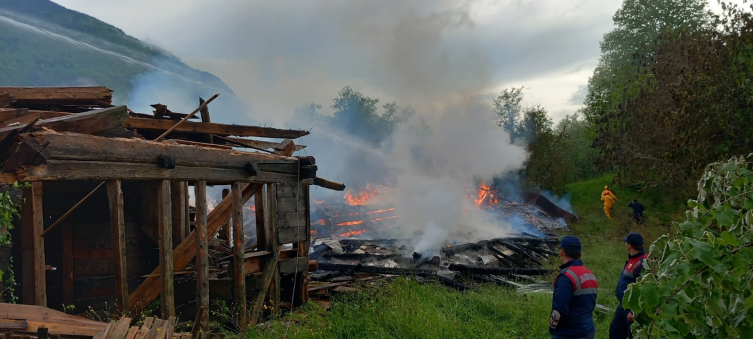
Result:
{"points": [[278, 55]]}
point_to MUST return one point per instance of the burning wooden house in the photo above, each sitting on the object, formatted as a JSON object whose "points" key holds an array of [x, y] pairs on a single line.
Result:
{"points": [[106, 216]]}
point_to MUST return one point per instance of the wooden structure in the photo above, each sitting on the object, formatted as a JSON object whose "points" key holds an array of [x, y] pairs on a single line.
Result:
{"points": [[108, 204]]}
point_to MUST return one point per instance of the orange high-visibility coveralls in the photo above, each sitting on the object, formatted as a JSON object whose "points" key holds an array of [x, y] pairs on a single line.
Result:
{"points": [[608, 198]]}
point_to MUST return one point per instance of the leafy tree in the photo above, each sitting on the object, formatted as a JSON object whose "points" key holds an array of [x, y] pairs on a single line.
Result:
{"points": [[507, 108], [701, 286]]}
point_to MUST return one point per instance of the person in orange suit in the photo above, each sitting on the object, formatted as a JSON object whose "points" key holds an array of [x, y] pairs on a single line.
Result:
{"points": [[608, 198]]}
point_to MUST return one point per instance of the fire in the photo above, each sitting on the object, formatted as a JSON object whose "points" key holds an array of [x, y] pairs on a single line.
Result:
{"points": [[350, 223], [381, 211], [319, 222], [392, 217], [360, 198], [485, 191], [318, 201], [352, 233]]}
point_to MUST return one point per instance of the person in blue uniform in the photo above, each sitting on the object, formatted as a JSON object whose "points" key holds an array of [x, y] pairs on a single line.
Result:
{"points": [[574, 300], [637, 257]]}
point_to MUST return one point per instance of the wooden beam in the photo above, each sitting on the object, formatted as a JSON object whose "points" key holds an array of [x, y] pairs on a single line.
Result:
{"points": [[270, 274], [202, 256], [32, 247], [117, 227], [286, 146], [273, 242], [185, 252], [178, 206], [329, 184], [205, 118], [167, 298], [71, 146], [225, 229], [239, 277], [258, 144], [59, 95], [91, 122], [213, 128], [71, 210], [4, 99], [98, 170], [261, 234]]}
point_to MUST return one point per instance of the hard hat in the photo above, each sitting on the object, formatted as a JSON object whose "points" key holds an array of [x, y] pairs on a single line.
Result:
{"points": [[606, 187]]}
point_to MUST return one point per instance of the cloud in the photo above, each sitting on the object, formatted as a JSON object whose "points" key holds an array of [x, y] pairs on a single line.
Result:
{"points": [[279, 55], [579, 96]]}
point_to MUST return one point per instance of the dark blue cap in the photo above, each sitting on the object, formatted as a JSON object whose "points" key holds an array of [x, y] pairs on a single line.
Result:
{"points": [[570, 242], [634, 239]]}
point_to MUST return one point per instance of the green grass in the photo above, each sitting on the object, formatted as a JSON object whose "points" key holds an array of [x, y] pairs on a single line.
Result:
{"points": [[406, 309]]}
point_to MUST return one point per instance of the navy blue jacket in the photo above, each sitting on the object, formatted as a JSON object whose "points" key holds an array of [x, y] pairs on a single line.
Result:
{"points": [[630, 273], [574, 301]]}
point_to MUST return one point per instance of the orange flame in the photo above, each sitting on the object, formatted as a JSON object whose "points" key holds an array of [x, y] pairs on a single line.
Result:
{"points": [[381, 211], [350, 223], [352, 233], [360, 198], [483, 192], [392, 217], [318, 201], [319, 222]]}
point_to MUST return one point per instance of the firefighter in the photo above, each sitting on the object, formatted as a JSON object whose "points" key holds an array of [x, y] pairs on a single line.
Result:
{"points": [[574, 299], [637, 257], [608, 198]]}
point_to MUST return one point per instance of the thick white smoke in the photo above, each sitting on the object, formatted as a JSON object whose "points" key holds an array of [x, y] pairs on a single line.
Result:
{"points": [[437, 171]]}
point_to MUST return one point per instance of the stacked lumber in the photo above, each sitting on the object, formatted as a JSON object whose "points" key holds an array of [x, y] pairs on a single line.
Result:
{"points": [[152, 328], [28, 319]]}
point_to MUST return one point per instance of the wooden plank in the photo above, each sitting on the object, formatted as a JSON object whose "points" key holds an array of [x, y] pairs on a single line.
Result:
{"points": [[186, 251], [201, 324], [212, 128], [187, 210], [329, 184], [91, 122], [295, 265], [167, 298], [73, 146], [59, 95], [13, 324], [22, 120], [287, 191], [4, 99], [57, 322], [82, 267], [97, 170], [178, 206], [32, 247], [67, 266], [261, 234], [117, 228], [274, 244], [202, 255], [201, 144], [303, 248], [286, 146], [238, 252], [121, 328], [291, 204], [132, 332], [257, 144], [254, 262], [291, 220], [292, 235], [106, 332], [156, 326], [169, 329], [225, 229]]}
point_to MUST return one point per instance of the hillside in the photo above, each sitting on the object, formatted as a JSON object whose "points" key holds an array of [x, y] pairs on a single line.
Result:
{"points": [[45, 44]]}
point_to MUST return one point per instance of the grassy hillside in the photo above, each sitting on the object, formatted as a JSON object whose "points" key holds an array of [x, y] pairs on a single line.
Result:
{"points": [[45, 44], [405, 309]]}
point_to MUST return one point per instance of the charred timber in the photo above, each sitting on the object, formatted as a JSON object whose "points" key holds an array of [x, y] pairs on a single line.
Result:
{"points": [[505, 256], [30, 96], [212, 128], [519, 251], [474, 269], [373, 269]]}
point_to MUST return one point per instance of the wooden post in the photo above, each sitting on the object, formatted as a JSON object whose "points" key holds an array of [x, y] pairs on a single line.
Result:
{"points": [[166, 249], [179, 207], [117, 227], [67, 269], [205, 118], [239, 276], [274, 244], [187, 211], [261, 232], [202, 256], [32, 247], [303, 246], [225, 229]]}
